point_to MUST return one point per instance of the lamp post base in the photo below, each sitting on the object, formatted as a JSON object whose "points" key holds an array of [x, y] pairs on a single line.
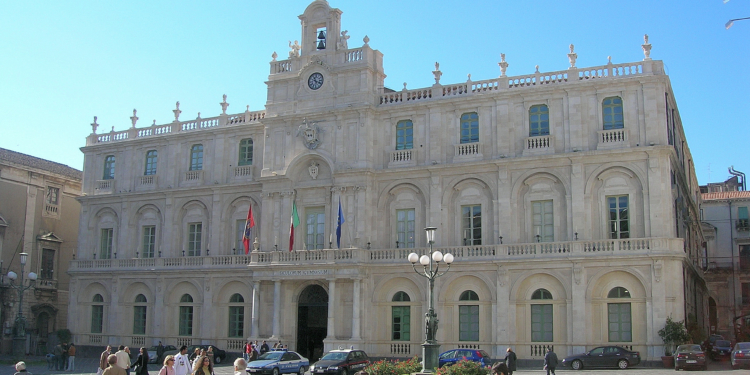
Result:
{"points": [[430, 353], [19, 347]]}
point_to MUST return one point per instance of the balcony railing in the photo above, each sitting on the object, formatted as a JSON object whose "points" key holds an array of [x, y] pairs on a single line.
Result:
{"points": [[477, 253]]}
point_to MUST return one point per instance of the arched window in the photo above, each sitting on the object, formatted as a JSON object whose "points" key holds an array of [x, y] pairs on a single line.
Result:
{"points": [[401, 318], [468, 317], [109, 167], [246, 152], [404, 135], [151, 158], [186, 315], [236, 316], [619, 316], [538, 120], [612, 113], [470, 127], [196, 158], [541, 317], [97, 314], [139, 315]]}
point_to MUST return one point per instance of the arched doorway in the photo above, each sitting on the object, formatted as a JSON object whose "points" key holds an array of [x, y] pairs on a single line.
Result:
{"points": [[312, 322], [712, 315]]}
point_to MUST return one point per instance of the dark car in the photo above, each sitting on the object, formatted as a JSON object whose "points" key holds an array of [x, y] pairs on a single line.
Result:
{"points": [[721, 349], [278, 362], [741, 355], [709, 343], [452, 356], [603, 356], [690, 356], [341, 362], [153, 358]]}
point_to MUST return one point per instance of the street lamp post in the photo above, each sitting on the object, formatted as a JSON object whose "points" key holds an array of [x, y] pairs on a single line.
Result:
{"points": [[430, 347], [731, 22], [19, 335]]}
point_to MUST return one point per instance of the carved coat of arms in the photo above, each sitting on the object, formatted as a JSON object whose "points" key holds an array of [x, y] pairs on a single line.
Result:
{"points": [[310, 134]]}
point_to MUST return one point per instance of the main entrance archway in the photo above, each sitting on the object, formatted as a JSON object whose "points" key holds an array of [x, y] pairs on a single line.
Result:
{"points": [[312, 322]]}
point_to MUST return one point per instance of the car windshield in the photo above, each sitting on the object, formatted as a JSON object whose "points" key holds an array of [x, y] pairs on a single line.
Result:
{"points": [[338, 356], [722, 343], [743, 345], [689, 348], [271, 355]]}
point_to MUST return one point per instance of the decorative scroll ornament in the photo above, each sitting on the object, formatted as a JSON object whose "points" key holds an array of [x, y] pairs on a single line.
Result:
{"points": [[310, 134], [314, 168]]}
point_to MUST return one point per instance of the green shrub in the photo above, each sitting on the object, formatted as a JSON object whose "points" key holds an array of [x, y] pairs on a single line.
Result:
{"points": [[464, 367], [395, 367]]}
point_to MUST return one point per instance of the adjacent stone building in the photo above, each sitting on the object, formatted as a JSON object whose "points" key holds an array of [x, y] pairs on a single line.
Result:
{"points": [[39, 216], [568, 199]]}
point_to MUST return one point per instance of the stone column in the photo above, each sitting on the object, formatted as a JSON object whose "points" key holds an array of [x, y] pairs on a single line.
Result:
{"points": [[355, 311], [577, 311], [256, 310], [276, 307], [331, 334], [113, 313]]}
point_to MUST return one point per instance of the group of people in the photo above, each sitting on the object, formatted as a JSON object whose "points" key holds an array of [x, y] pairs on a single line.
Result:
{"points": [[200, 362], [253, 350], [507, 366], [120, 363], [62, 358]]}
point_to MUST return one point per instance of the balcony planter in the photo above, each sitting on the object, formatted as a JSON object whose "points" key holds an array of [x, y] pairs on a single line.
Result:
{"points": [[667, 361]]}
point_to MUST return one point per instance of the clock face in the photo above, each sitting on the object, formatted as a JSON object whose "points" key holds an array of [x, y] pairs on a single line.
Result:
{"points": [[315, 81]]}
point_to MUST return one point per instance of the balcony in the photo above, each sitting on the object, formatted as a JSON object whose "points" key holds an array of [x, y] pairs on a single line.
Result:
{"points": [[402, 158], [146, 182], [467, 152], [539, 145], [611, 139], [104, 187], [243, 173], [524, 252], [742, 225], [192, 178]]}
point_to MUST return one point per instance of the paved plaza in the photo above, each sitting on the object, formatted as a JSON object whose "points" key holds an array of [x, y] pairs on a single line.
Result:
{"points": [[88, 366]]}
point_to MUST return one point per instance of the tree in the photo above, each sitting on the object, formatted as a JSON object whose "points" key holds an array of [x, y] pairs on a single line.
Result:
{"points": [[673, 334]]}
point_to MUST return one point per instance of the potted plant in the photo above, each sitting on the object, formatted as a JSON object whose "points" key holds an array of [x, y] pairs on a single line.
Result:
{"points": [[673, 334]]}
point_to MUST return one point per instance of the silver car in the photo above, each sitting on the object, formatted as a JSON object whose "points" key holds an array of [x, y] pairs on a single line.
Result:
{"points": [[740, 356]]}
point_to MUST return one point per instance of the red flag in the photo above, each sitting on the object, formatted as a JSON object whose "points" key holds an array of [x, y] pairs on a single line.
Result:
{"points": [[249, 223]]}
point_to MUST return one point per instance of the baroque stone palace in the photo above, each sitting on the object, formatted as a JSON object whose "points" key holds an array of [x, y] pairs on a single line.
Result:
{"points": [[568, 199]]}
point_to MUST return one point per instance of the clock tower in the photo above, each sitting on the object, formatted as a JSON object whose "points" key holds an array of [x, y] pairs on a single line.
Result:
{"points": [[322, 71]]}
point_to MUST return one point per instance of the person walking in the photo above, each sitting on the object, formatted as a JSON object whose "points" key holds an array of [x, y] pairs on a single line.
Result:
{"points": [[253, 355], [114, 368], [264, 348], [21, 369], [159, 351], [246, 354], [141, 363], [202, 366], [210, 354], [103, 360], [510, 360], [550, 361], [58, 357], [168, 368], [64, 357], [240, 366], [71, 357], [181, 362]]}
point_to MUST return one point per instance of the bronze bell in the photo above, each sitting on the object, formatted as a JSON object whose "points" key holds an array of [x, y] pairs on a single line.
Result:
{"points": [[322, 44], [321, 34]]}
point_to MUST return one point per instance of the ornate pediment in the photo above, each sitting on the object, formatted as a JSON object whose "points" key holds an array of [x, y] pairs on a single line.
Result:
{"points": [[49, 237]]}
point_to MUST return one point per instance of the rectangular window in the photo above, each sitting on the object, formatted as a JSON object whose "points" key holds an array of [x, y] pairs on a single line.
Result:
{"points": [[541, 323], [239, 232], [195, 234], [745, 257], [246, 152], [236, 321], [109, 168], [470, 128], [612, 113], [105, 247], [619, 226], [316, 228], [196, 158], [53, 196], [186, 320], [139, 320], [149, 241], [745, 294], [538, 120], [405, 228], [151, 158], [743, 221], [468, 323], [620, 326], [401, 323], [404, 135], [471, 225], [48, 264], [543, 221], [97, 318]]}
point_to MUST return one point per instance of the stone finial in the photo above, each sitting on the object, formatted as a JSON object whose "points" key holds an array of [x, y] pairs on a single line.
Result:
{"points": [[274, 56], [404, 86], [134, 118], [572, 56], [224, 105], [154, 124], [503, 65], [199, 115], [247, 108], [437, 73], [609, 60], [646, 48], [94, 125], [537, 68], [177, 112], [366, 39], [468, 77]]}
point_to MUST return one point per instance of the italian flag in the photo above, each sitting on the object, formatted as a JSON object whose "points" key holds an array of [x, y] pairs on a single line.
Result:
{"points": [[294, 223]]}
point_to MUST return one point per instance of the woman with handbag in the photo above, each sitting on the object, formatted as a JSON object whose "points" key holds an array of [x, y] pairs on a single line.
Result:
{"points": [[141, 363], [168, 368]]}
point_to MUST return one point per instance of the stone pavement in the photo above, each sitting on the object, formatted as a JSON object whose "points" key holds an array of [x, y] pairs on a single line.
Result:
{"points": [[38, 366]]}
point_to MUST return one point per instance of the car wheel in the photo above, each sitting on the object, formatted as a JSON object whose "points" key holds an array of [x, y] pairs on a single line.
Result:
{"points": [[276, 371], [576, 365], [735, 367], [676, 368], [302, 370], [622, 364], [218, 359]]}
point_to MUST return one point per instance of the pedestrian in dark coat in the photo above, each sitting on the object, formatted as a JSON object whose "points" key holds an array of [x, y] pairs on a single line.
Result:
{"points": [[550, 361], [141, 363], [499, 368], [510, 360]]}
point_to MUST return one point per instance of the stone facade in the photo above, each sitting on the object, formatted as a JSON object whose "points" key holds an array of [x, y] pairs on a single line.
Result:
{"points": [[39, 216], [517, 173]]}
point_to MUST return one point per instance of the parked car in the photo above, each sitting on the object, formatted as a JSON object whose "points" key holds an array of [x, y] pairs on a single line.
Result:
{"points": [[721, 349], [341, 362], [740, 356], [709, 343], [153, 358], [690, 356], [452, 356], [279, 362], [603, 356]]}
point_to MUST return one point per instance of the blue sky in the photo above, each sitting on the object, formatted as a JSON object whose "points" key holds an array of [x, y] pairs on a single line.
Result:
{"points": [[63, 62]]}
